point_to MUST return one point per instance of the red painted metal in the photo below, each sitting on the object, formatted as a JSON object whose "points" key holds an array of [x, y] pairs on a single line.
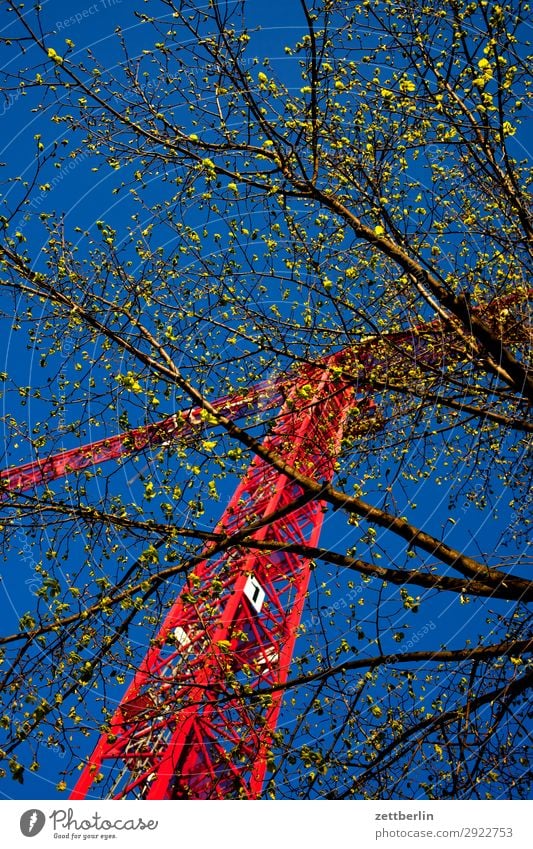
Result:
{"points": [[181, 426], [189, 725], [423, 343]]}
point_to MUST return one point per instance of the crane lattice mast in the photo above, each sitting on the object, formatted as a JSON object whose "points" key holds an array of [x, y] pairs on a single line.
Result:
{"points": [[189, 725], [198, 718]]}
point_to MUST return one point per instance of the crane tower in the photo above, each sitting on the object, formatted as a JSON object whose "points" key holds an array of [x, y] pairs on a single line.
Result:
{"points": [[198, 718]]}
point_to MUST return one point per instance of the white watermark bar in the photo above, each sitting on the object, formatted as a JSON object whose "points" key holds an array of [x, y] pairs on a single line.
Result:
{"points": [[361, 824]]}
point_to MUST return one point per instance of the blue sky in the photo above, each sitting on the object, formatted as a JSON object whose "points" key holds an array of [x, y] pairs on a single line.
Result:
{"points": [[86, 197]]}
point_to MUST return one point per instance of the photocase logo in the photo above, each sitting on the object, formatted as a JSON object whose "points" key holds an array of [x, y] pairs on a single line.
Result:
{"points": [[32, 822]]}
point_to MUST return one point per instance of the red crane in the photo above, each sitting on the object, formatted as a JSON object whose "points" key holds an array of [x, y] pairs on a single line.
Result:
{"points": [[195, 721]]}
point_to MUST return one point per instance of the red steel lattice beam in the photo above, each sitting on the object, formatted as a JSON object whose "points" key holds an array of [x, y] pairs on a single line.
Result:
{"points": [[188, 726], [423, 344]]}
